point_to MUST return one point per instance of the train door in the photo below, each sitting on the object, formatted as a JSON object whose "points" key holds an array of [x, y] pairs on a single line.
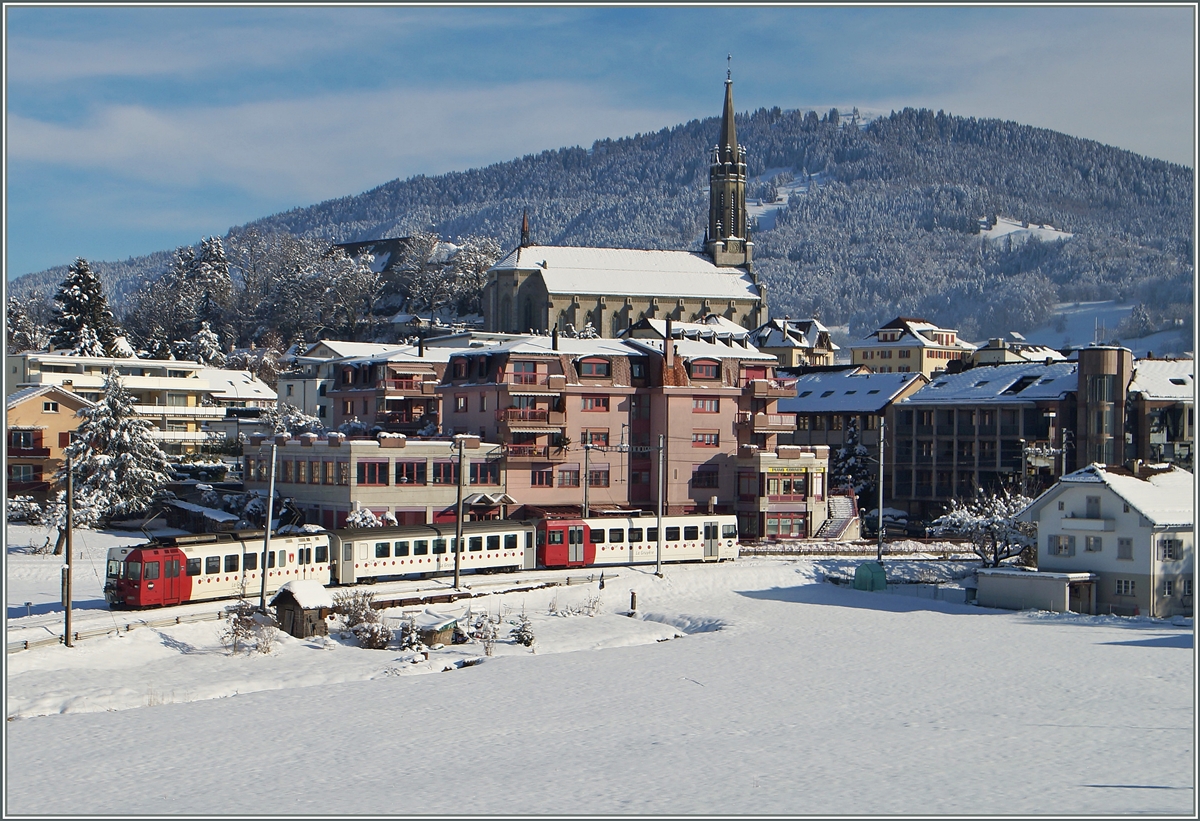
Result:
{"points": [[712, 540], [575, 545], [530, 561], [172, 570]]}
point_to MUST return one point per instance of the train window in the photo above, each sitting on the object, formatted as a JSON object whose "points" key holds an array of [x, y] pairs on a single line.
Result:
{"points": [[114, 569], [348, 552], [691, 532], [323, 553], [454, 545], [596, 535], [231, 563], [635, 534], [510, 541], [672, 534], [420, 547], [556, 537], [439, 545], [193, 567], [383, 550], [133, 571], [172, 568], [728, 531], [212, 564], [401, 549], [475, 543], [270, 559], [616, 534], [151, 571], [283, 558], [493, 542], [250, 561], [306, 555], [652, 534]]}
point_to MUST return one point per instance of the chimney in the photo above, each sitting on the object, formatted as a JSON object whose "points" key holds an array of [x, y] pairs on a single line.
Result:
{"points": [[668, 347], [554, 337], [421, 347]]}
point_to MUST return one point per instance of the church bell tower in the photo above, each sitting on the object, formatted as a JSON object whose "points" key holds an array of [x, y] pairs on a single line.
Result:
{"points": [[727, 240]]}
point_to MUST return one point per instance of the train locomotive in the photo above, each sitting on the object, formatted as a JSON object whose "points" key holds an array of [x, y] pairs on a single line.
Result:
{"points": [[207, 566]]}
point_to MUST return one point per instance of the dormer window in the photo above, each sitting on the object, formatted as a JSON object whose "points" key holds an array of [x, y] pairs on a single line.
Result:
{"points": [[460, 369], [595, 368], [705, 369]]}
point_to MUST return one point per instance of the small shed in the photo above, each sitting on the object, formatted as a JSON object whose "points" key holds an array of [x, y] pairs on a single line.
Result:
{"points": [[435, 628], [870, 576], [302, 607], [1010, 588]]}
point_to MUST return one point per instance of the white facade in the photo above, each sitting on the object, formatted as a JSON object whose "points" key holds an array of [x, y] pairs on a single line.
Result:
{"points": [[1133, 532]]}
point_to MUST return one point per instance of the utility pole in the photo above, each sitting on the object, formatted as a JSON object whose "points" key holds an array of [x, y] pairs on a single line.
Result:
{"points": [[463, 467], [67, 573], [262, 595], [587, 452], [1024, 464], [662, 482], [879, 519]]}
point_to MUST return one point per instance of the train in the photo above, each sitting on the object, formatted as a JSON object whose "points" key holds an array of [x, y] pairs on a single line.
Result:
{"points": [[181, 569]]}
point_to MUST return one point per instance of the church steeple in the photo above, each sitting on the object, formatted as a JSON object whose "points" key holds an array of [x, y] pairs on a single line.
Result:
{"points": [[727, 240]]}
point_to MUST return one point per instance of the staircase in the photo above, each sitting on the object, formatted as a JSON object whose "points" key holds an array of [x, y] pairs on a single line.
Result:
{"points": [[843, 517]]}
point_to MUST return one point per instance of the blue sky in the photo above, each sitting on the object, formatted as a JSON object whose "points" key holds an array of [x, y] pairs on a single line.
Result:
{"points": [[136, 129]]}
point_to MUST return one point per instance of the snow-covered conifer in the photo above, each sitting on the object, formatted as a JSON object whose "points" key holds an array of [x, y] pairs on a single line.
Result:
{"points": [[115, 455], [81, 301], [852, 464], [205, 347], [86, 343]]}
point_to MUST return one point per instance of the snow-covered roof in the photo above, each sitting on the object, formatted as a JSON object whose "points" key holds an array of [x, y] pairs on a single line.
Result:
{"points": [[580, 270], [207, 512], [913, 330], [698, 349], [712, 325], [1166, 498], [1011, 383], [237, 386], [790, 333], [308, 593], [571, 346], [17, 397], [1164, 379], [846, 391], [342, 349]]}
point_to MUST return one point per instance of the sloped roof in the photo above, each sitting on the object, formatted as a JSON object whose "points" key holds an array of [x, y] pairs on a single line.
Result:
{"points": [[1166, 498], [790, 333], [580, 270], [310, 594], [1164, 379], [697, 349], [846, 391], [236, 385], [342, 349], [712, 325], [32, 391], [989, 383]]}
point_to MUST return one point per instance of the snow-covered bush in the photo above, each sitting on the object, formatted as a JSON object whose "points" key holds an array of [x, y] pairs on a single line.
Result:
{"points": [[355, 607], [990, 523], [373, 635], [23, 509], [239, 628], [363, 517], [410, 636], [484, 631]]}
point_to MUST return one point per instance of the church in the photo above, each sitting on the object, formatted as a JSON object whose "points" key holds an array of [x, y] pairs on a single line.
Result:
{"points": [[541, 287]]}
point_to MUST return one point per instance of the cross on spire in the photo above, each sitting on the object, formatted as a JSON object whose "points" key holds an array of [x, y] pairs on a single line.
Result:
{"points": [[728, 67]]}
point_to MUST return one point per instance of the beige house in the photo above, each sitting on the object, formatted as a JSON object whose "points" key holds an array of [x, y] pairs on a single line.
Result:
{"points": [[39, 424], [796, 343], [907, 344], [1132, 530]]}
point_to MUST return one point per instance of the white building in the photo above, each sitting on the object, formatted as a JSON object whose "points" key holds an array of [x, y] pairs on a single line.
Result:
{"points": [[1132, 530]]}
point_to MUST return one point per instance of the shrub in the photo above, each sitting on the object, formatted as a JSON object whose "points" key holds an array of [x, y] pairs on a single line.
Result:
{"points": [[523, 632], [355, 607], [373, 635]]}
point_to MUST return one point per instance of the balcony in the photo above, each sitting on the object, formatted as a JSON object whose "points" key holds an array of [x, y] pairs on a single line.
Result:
{"points": [[194, 437], [391, 419], [181, 411], [767, 422], [771, 388], [29, 453], [1094, 525], [530, 417], [534, 453], [406, 386]]}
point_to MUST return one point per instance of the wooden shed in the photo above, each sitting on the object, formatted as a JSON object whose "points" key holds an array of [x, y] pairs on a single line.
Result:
{"points": [[302, 608]]}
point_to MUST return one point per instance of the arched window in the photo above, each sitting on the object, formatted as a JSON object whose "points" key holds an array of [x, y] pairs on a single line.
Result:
{"points": [[594, 368]]}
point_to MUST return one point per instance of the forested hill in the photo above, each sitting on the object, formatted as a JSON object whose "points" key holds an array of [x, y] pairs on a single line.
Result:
{"points": [[882, 219]]}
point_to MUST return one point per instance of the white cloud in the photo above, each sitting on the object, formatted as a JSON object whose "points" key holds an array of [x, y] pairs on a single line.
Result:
{"points": [[330, 145]]}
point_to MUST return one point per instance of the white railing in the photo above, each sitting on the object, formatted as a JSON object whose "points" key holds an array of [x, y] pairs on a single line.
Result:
{"points": [[181, 411]]}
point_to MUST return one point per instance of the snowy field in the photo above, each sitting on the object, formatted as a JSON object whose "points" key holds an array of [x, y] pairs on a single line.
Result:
{"points": [[745, 688]]}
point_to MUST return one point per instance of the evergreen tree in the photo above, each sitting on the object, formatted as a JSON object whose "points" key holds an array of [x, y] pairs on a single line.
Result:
{"points": [[205, 347], [86, 343], [81, 301], [115, 457], [851, 465], [25, 330]]}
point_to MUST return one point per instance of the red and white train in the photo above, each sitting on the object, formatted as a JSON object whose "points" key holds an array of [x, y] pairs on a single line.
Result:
{"points": [[181, 569]]}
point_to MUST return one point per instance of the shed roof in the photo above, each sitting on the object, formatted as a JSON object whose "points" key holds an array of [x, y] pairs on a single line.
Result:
{"points": [[310, 594]]}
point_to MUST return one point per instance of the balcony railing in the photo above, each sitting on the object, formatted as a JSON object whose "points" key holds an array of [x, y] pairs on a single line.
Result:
{"points": [[404, 418], [522, 415], [767, 422], [771, 388], [28, 453], [181, 411], [402, 385], [525, 378]]}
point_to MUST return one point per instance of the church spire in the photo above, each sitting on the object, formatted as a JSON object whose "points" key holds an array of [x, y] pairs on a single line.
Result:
{"points": [[525, 229], [726, 239]]}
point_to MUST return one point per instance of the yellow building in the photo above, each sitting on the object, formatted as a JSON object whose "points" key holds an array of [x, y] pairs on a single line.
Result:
{"points": [[38, 426], [908, 344]]}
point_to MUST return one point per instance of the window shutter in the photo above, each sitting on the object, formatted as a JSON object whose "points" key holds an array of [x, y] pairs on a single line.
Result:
{"points": [[1070, 545], [64, 438], [1051, 545]]}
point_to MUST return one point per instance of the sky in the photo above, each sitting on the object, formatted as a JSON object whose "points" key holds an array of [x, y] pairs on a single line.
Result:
{"points": [[136, 129]]}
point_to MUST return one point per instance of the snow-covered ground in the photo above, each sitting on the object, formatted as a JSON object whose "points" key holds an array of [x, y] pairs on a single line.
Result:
{"points": [[1082, 323], [1017, 232], [744, 688]]}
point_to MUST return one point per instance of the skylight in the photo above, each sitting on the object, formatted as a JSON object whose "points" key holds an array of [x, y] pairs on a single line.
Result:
{"points": [[806, 393], [873, 390], [826, 393], [1176, 380], [848, 393], [980, 383]]}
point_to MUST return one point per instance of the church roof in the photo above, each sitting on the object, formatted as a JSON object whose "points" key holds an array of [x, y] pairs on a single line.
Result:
{"points": [[580, 270]]}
